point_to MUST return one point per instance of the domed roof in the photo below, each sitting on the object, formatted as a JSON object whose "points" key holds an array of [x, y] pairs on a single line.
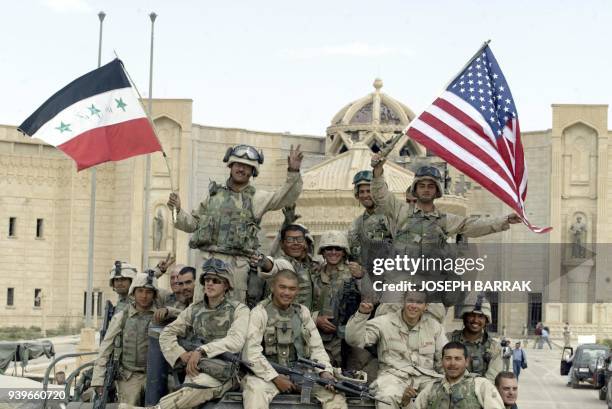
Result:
{"points": [[371, 120], [336, 173]]}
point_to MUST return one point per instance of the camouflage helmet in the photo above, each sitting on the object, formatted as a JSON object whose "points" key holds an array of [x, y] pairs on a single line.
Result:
{"points": [[122, 270], [246, 154], [476, 304], [143, 280], [219, 268], [427, 173], [363, 177], [334, 238]]}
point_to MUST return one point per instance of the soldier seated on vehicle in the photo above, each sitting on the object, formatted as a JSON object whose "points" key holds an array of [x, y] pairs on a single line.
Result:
{"points": [[507, 386], [458, 389], [127, 338], [336, 299], [409, 347], [485, 353], [211, 326], [280, 331]]}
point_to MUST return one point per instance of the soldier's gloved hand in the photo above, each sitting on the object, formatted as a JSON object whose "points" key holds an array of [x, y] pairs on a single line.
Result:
{"points": [[513, 218], [377, 161], [409, 394], [356, 270], [160, 315], [192, 364], [284, 384], [328, 375], [324, 325], [294, 161], [174, 202], [366, 307]]}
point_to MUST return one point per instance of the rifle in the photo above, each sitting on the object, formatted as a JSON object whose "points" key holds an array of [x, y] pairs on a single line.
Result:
{"points": [[109, 392], [109, 311], [307, 379], [389, 145]]}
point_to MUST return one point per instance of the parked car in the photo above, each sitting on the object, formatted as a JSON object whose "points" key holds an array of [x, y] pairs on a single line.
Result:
{"points": [[582, 364], [601, 375]]}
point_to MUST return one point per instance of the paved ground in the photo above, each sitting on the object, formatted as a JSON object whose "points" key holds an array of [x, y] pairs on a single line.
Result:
{"points": [[541, 386]]}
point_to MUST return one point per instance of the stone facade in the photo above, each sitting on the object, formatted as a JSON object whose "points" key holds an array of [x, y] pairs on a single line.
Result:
{"points": [[567, 164]]}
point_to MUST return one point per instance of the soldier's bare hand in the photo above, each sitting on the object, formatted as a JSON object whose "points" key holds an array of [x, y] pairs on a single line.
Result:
{"points": [[513, 218], [409, 394], [294, 161], [185, 357], [174, 201], [328, 376], [160, 315], [164, 264], [284, 384], [366, 307], [99, 389], [324, 325], [192, 364], [356, 269]]}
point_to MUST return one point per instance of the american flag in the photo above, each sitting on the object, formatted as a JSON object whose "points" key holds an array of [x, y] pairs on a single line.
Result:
{"points": [[474, 126]]}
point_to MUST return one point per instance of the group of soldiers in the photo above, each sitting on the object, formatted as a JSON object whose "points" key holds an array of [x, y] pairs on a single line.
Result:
{"points": [[279, 309]]}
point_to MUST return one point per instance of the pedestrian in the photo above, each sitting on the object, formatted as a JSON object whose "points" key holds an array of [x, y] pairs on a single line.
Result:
{"points": [[545, 336], [507, 386], [538, 336], [506, 354], [567, 333], [519, 360]]}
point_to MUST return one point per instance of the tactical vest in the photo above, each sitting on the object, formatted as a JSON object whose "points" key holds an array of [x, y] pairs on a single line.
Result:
{"points": [[479, 352], [305, 272], [285, 337], [135, 341], [224, 227], [462, 395], [369, 227], [122, 304], [328, 295], [212, 324]]}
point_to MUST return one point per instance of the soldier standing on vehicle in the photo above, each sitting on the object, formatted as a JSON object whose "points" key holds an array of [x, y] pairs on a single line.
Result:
{"points": [[127, 339], [409, 347], [295, 240], [458, 389], [226, 223], [485, 353], [336, 299], [372, 225], [280, 331], [219, 325], [422, 229]]}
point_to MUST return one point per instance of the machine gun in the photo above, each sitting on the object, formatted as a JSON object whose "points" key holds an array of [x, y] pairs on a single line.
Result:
{"points": [[302, 375], [109, 311]]}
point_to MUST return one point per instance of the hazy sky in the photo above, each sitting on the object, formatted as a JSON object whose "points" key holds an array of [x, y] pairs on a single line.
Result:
{"points": [[290, 66]]}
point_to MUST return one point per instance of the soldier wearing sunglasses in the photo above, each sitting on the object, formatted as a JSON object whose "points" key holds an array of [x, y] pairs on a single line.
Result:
{"points": [[226, 223], [221, 326]]}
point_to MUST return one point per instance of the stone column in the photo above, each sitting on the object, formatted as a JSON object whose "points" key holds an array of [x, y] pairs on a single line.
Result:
{"points": [[578, 275]]}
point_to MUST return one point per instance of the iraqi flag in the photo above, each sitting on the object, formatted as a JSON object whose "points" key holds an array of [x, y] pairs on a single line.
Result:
{"points": [[95, 119]]}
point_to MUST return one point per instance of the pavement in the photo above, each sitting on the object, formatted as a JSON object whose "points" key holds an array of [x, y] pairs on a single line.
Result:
{"points": [[542, 387]]}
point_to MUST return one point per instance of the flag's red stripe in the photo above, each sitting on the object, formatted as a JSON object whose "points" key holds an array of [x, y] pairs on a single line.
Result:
{"points": [[465, 168], [466, 144], [465, 118], [112, 143]]}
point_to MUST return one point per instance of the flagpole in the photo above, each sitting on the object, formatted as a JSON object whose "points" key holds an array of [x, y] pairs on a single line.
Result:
{"points": [[92, 211], [147, 192]]}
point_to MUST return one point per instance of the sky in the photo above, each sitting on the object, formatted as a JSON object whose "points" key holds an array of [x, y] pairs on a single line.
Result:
{"points": [[283, 66]]}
